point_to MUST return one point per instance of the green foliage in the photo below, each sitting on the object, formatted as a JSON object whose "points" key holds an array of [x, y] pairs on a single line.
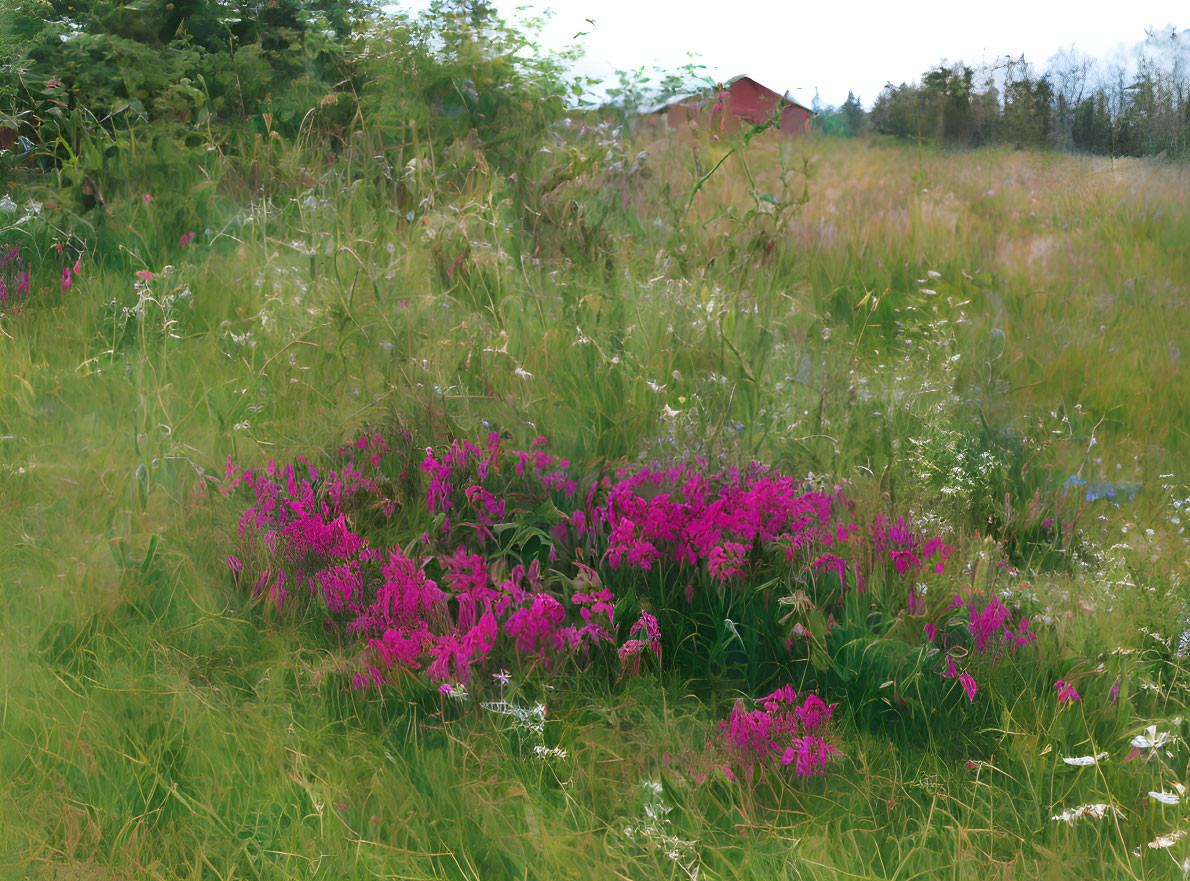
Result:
{"points": [[1075, 104], [179, 61], [853, 114], [412, 234], [1027, 111], [945, 108]]}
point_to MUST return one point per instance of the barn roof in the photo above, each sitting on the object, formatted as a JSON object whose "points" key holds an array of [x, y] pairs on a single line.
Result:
{"points": [[695, 97], [786, 97]]}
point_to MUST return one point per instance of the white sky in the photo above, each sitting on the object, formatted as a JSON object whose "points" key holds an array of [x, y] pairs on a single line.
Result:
{"points": [[836, 46]]}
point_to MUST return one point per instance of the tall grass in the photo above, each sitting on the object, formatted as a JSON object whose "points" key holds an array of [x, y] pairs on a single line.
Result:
{"points": [[956, 334]]}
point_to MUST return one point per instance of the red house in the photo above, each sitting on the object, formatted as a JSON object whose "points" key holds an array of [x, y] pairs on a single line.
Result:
{"points": [[740, 101]]}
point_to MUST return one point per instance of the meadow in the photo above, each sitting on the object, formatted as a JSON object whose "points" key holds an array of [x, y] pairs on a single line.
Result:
{"points": [[708, 421]]}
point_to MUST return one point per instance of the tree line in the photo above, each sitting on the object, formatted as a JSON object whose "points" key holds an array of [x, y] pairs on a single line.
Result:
{"points": [[183, 76], [1137, 104]]}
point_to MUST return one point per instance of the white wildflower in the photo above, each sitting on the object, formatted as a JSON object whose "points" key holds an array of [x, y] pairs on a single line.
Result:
{"points": [[1169, 840], [530, 719], [1084, 761], [1153, 740], [1096, 811]]}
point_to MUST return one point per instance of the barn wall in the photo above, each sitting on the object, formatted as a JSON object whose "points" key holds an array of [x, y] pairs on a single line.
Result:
{"points": [[794, 121], [752, 101]]}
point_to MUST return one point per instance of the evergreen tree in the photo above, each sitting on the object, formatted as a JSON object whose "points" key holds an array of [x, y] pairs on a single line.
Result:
{"points": [[853, 114]]}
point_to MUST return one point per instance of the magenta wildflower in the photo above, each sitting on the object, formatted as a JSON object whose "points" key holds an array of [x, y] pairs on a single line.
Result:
{"points": [[831, 563], [1023, 636], [629, 654], [810, 754], [186, 239], [987, 622], [720, 102], [780, 730], [726, 561], [783, 695], [903, 561], [931, 631], [14, 281], [533, 626], [969, 685], [951, 670], [1066, 691], [648, 626], [65, 278], [813, 714]]}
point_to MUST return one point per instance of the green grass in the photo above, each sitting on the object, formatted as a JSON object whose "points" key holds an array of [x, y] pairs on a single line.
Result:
{"points": [[155, 724]]}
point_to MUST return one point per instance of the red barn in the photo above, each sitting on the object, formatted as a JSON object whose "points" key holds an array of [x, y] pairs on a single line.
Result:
{"points": [[741, 101]]}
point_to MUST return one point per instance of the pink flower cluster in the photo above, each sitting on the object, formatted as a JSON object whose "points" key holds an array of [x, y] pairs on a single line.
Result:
{"points": [[729, 524], [905, 548], [469, 464], [464, 595], [446, 613], [991, 620], [724, 523], [14, 276], [779, 729], [630, 652]]}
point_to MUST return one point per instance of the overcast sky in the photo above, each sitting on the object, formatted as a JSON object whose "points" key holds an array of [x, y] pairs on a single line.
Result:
{"points": [[836, 46]]}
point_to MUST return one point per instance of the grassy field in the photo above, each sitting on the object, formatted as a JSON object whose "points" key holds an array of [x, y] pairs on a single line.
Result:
{"points": [[981, 342]]}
